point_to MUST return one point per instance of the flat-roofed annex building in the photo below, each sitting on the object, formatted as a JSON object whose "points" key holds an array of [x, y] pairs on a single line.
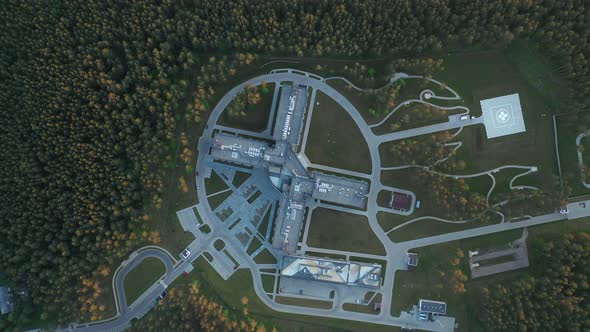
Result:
{"points": [[432, 307], [245, 151], [340, 190], [331, 270], [289, 121]]}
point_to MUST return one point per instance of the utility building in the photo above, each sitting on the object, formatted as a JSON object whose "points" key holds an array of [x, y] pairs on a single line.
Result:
{"points": [[432, 307], [6, 304]]}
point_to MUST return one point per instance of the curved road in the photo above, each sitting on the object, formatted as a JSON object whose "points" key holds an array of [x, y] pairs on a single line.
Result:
{"points": [[139, 307]]}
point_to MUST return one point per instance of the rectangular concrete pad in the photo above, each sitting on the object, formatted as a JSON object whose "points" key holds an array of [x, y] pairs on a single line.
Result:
{"points": [[502, 115], [187, 218]]}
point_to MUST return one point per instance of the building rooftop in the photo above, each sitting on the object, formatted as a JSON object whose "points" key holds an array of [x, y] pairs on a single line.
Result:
{"points": [[246, 151], [288, 225], [430, 306], [340, 190], [412, 259], [290, 114], [330, 270]]}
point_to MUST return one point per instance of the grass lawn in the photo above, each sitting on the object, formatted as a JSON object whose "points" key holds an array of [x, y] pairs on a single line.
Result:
{"points": [[384, 198], [214, 184], [568, 128], [503, 179], [265, 257], [334, 139], [142, 277], [479, 184], [477, 76], [240, 177], [215, 201], [389, 220], [304, 302], [362, 100], [263, 226], [333, 229], [257, 116], [254, 245], [429, 227], [413, 116], [268, 282]]}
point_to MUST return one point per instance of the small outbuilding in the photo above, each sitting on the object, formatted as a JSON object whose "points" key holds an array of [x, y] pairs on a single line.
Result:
{"points": [[412, 261], [432, 307], [6, 304], [400, 201]]}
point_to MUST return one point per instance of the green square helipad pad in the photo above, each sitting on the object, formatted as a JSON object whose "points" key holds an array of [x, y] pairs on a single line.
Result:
{"points": [[502, 116]]}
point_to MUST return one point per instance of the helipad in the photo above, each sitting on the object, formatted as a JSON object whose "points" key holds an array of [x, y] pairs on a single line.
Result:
{"points": [[502, 115]]}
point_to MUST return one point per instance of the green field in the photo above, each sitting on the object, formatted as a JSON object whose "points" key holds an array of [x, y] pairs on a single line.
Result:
{"points": [[216, 200], [142, 277], [413, 116], [268, 282], [481, 75], [265, 257], [429, 227], [214, 184], [240, 177], [304, 302], [334, 139], [333, 229]]}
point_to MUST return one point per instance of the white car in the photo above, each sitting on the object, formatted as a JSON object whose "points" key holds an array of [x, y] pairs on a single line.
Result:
{"points": [[185, 253], [423, 316]]}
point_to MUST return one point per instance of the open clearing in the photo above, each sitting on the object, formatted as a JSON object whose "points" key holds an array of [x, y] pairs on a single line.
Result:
{"points": [[334, 139], [142, 277], [333, 229]]}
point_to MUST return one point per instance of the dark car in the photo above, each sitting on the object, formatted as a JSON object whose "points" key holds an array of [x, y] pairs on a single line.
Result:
{"points": [[163, 295]]}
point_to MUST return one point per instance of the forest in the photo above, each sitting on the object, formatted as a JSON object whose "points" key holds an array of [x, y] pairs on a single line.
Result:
{"points": [[92, 92], [554, 297]]}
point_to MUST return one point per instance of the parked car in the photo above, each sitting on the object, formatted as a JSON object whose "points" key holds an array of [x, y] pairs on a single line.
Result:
{"points": [[185, 253], [423, 316], [163, 295]]}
